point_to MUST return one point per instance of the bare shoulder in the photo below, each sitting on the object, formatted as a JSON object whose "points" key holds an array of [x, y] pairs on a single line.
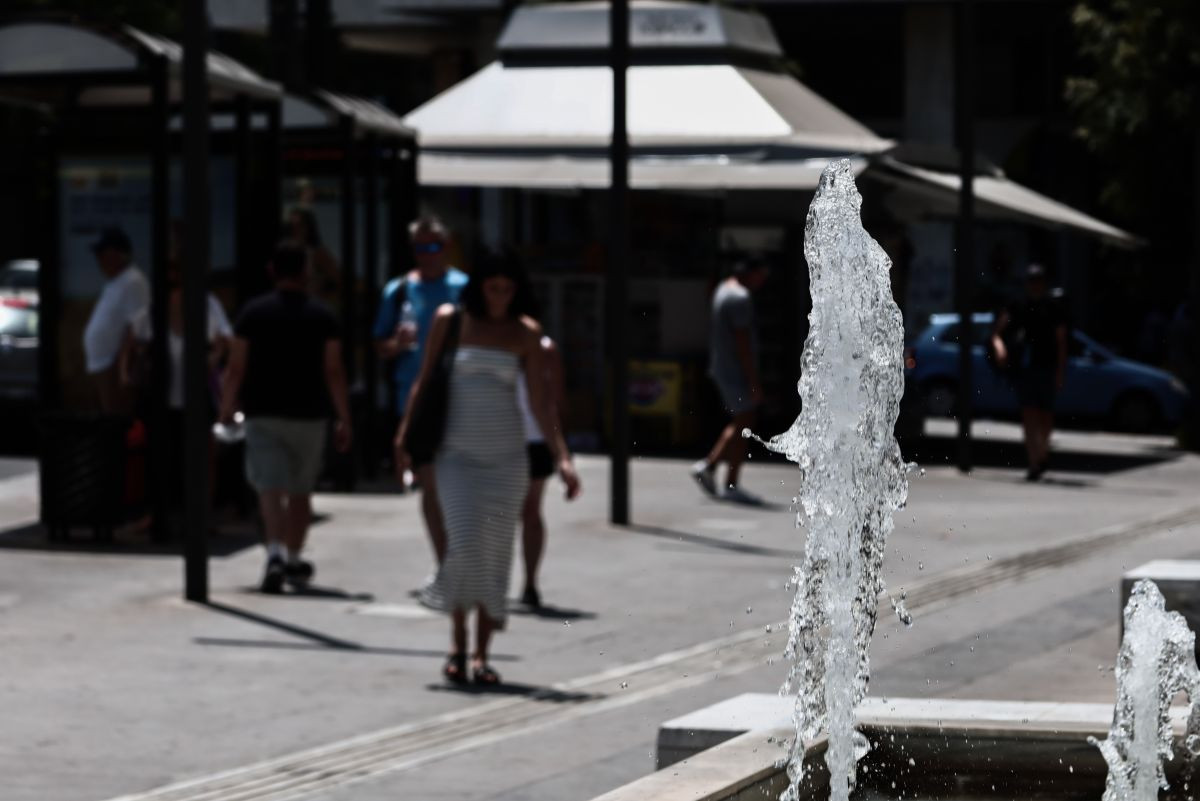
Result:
{"points": [[531, 335], [530, 328]]}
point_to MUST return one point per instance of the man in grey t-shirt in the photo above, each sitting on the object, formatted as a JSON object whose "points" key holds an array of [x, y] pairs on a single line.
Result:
{"points": [[733, 367]]}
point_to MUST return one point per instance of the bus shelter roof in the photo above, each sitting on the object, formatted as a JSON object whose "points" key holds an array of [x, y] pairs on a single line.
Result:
{"points": [[55, 62]]}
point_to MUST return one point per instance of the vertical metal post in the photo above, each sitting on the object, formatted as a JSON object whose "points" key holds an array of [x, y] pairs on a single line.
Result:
{"points": [[243, 139], [159, 459], [285, 33], [402, 207], [195, 257], [618, 266], [348, 468], [1191, 427], [372, 283], [349, 241], [273, 195], [49, 269], [318, 41], [964, 252]]}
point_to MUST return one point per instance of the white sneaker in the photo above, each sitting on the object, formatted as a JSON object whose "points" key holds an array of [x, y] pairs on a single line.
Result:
{"points": [[735, 494], [703, 474]]}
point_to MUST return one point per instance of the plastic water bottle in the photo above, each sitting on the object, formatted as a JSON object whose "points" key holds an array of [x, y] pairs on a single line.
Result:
{"points": [[408, 322]]}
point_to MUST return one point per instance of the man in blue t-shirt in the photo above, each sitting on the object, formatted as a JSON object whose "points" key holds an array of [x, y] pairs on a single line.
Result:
{"points": [[401, 328]]}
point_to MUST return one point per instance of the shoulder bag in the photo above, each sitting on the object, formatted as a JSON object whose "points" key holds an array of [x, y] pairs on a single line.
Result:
{"points": [[427, 419]]}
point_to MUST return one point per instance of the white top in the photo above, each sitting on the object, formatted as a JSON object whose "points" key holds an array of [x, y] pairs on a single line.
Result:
{"points": [[123, 297], [533, 431], [218, 326]]}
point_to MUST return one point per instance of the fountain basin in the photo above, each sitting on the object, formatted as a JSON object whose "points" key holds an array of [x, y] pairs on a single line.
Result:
{"points": [[921, 749]]}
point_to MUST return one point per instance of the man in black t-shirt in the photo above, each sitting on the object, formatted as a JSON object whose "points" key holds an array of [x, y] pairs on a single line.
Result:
{"points": [[285, 363], [1030, 340]]}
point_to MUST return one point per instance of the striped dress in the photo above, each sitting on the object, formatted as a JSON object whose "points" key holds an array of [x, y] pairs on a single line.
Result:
{"points": [[482, 473]]}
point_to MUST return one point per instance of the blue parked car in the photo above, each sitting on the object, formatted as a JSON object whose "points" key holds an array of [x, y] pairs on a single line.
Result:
{"points": [[1100, 387]]}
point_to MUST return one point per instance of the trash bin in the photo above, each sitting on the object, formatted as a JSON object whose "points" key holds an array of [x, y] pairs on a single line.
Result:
{"points": [[83, 462]]}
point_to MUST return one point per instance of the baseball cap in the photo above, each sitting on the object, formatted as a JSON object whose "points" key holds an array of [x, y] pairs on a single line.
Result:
{"points": [[113, 238]]}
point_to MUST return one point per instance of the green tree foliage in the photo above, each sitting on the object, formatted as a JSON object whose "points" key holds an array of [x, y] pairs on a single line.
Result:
{"points": [[1137, 107], [158, 16]]}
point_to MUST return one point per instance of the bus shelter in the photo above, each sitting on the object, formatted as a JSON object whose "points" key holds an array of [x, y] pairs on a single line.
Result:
{"points": [[106, 149]]}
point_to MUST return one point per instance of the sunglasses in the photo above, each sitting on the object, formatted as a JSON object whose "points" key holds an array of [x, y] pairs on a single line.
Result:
{"points": [[429, 247]]}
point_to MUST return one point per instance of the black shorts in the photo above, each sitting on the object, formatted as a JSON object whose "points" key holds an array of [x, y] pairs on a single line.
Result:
{"points": [[541, 461], [1036, 387]]}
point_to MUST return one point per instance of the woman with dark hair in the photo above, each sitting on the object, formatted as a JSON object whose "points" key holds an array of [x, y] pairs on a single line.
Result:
{"points": [[481, 465], [325, 279]]}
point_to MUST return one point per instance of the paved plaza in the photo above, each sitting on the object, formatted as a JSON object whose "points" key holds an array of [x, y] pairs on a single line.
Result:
{"points": [[113, 687]]}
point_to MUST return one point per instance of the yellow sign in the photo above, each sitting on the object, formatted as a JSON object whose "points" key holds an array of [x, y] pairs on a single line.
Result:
{"points": [[655, 388]]}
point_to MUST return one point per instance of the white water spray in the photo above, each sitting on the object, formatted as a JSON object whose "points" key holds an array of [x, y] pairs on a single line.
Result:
{"points": [[1157, 660], [853, 477]]}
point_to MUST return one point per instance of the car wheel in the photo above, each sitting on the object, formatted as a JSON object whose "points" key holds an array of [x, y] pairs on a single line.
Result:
{"points": [[1137, 413], [941, 399]]}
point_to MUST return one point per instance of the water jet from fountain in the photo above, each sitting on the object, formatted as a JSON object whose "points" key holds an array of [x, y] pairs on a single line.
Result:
{"points": [[852, 474]]}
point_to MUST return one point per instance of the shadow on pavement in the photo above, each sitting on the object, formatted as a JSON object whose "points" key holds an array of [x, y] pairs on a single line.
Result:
{"points": [[315, 640], [35, 537], [550, 612], [229, 642], [532, 692], [934, 450], [706, 541], [317, 592]]}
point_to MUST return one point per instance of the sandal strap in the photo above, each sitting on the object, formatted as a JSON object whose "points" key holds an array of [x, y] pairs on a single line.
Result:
{"points": [[486, 675]]}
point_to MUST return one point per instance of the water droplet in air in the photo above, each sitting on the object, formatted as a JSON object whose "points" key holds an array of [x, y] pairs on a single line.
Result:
{"points": [[624, 685], [749, 610], [920, 565], [921, 473]]}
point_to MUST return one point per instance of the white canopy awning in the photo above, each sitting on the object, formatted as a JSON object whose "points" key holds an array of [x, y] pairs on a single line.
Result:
{"points": [[645, 172], [684, 106], [933, 193]]}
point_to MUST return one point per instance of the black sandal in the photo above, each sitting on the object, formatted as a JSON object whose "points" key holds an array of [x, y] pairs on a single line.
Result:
{"points": [[455, 669], [486, 677]]}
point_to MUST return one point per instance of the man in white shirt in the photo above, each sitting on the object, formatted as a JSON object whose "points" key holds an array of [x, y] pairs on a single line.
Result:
{"points": [[125, 294]]}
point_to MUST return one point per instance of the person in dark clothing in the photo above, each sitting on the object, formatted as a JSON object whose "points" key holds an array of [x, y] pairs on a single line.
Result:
{"points": [[285, 363], [1029, 340]]}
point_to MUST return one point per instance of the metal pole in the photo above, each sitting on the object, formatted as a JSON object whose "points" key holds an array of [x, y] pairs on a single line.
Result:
{"points": [[285, 32], [318, 41], [273, 195], [159, 459], [50, 268], [349, 272], [371, 287], [618, 266], [195, 258], [243, 156], [964, 254]]}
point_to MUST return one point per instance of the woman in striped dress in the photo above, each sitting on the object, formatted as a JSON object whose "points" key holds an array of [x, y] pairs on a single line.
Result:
{"points": [[481, 465]]}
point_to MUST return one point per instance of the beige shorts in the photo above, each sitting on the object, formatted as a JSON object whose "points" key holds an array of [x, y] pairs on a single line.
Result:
{"points": [[284, 454]]}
